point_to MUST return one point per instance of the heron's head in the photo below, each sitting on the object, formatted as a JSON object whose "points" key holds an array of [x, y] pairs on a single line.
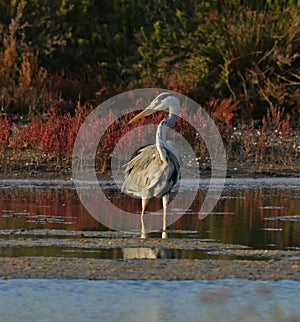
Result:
{"points": [[162, 102]]}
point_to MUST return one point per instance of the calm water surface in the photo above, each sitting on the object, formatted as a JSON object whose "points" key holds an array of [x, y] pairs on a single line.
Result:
{"points": [[83, 300], [260, 213]]}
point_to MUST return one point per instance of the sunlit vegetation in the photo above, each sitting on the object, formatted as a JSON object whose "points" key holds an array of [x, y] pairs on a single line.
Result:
{"points": [[238, 59], [60, 51], [270, 145]]}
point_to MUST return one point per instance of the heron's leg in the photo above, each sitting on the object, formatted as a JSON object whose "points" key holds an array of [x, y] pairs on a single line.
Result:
{"points": [[144, 204], [143, 232], [165, 200]]}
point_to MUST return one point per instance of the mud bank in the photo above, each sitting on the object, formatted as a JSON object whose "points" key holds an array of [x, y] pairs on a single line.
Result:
{"points": [[251, 264], [158, 269]]}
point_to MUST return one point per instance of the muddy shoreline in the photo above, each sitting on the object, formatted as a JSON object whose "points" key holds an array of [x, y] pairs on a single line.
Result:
{"points": [[251, 264], [49, 170], [158, 269]]}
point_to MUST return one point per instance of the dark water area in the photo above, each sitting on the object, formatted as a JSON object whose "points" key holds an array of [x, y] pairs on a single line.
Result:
{"points": [[260, 213]]}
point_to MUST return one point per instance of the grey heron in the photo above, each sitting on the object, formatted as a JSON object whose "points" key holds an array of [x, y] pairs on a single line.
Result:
{"points": [[155, 169]]}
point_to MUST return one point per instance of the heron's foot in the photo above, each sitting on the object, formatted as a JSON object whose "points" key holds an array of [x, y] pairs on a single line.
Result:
{"points": [[164, 235], [144, 235]]}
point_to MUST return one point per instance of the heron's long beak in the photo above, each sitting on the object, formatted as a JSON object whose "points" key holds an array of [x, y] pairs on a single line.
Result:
{"points": [[145, 112]]}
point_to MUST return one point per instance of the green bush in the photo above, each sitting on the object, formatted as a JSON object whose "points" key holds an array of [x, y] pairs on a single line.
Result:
{"points": [[228, 49], [59, 52]]}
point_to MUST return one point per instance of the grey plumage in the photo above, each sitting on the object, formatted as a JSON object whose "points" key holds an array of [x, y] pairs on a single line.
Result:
{"points": [[147, 176]]}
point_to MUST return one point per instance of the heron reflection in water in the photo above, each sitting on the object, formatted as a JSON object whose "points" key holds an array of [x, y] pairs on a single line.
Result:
{"points": [[155, 169]]}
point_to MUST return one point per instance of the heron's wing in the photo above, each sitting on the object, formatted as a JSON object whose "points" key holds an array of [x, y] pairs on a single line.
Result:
{"points": [[147, 176], [171, 174], [141, 172], [175, 159]]}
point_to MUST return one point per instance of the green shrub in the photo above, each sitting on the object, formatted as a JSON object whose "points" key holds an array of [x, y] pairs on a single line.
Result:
{"points": [[59, 52]]}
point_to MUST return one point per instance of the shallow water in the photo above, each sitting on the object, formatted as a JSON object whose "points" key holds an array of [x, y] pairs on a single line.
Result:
{"points": [[260, 213], [86, 300]]}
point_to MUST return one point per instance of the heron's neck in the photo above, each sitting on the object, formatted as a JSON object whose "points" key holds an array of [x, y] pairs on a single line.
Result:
{"points": [[173, 115], [161, 135]]}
